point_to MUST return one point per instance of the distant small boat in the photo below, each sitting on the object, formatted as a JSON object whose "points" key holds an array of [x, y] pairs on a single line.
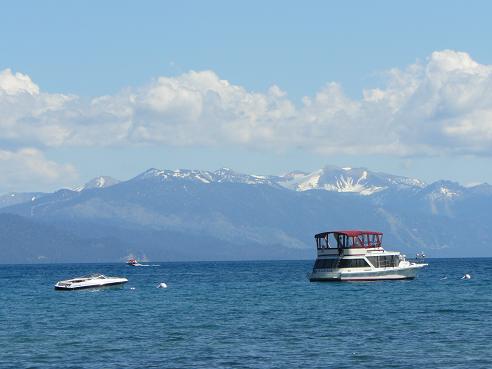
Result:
{"points": [[133, 262], [92, 281]]}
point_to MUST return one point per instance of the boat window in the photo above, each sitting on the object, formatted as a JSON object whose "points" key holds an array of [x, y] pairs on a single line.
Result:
{"points": [[373, 261], [325, 263], [327, 242], [387, 261], [353, 263], [342, 240], [359, 241], [346, 242], [331, 240], [373, 240]]}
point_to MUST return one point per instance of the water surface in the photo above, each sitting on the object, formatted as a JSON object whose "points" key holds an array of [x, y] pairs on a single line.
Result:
{"points": [[246, 315]]}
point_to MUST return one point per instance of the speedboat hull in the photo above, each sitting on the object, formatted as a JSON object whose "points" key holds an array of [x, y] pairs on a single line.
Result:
{"points": [[89, 282], [380, 274], [90, 286]]}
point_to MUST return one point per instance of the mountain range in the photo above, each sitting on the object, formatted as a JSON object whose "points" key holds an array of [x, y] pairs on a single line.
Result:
{"points": [[224, 215]]}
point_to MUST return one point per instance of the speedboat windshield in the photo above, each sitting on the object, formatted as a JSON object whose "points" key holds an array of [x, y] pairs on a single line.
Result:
{"points": [[96, 276]]}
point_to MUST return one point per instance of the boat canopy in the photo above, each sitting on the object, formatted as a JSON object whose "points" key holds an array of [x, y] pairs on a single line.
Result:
{"points": [[348, 239]]}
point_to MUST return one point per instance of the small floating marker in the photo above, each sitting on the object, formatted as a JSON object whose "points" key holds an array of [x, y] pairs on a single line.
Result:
{"points": [[466, 276], [162, 285], [132, 288]]}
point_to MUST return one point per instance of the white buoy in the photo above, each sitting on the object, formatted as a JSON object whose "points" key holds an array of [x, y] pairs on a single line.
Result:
{"points": [[162, 285], [466, 276], [132, 288]]}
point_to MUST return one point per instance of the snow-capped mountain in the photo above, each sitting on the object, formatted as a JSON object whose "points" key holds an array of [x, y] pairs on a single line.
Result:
{"points": [[223, 175], [357, 180], [98, 182], [330, 178]]}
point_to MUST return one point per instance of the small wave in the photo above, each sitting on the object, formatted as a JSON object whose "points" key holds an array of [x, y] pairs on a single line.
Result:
{"points": [[447, 311]]}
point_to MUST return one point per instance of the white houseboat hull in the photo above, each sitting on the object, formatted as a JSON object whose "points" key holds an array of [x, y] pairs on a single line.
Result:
{"points": [[376, 274]]}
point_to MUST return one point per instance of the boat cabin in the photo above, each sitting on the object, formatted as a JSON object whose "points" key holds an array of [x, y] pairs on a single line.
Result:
{"points": [[348, 239]]}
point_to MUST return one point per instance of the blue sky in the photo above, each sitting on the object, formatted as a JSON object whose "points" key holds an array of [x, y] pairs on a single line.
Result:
{"points": [[74, 53]]}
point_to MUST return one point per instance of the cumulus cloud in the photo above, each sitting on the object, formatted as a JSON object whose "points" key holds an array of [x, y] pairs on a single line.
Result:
{"points": [[28, 169], [442, 105], [13, 84]]}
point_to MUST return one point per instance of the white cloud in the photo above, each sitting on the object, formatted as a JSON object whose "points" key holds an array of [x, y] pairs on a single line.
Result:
{"points": [[11, 84], [440, 106], [28, 169]]}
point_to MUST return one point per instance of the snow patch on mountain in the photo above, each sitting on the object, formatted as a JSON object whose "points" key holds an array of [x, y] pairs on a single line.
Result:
{"points": [[444, 190], [98, 182], [300, 181], [353, 180], [447, 192], [350, 184], [15, 198], [441, 194]]}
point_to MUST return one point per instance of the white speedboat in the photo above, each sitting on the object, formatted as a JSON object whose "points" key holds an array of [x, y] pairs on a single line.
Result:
{"points": [[92, 281], [356, 255]]}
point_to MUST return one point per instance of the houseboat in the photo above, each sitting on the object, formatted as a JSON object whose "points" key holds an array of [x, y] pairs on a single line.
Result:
{"points": [[355, 255]]}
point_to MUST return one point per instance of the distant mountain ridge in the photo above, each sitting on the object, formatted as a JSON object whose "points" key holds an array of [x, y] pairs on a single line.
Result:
{"points": [[222, 175], [223, 215], [330, 178]]}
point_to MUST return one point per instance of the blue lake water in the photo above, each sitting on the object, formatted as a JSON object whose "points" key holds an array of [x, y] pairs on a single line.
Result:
{"points": [[246, 315]]}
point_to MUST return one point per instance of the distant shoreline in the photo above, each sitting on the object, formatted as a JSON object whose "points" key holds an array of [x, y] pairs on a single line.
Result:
{"points": [[218, 261]]}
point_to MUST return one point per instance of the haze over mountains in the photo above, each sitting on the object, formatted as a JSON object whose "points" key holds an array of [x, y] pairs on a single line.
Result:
{"points": [[224, 215]]}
